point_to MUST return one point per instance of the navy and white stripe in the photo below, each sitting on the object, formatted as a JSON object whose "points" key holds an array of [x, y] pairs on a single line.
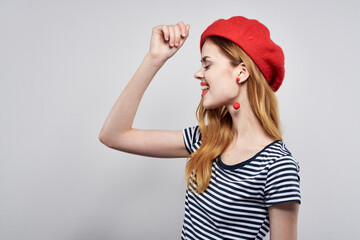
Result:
{"points": [[234, 206]]}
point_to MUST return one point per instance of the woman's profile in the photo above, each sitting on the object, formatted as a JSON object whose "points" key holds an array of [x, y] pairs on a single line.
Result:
{"points": [[242, 180]]}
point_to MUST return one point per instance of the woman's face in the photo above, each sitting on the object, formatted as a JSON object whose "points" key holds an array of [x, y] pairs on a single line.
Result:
{"points": [[219, 75]]}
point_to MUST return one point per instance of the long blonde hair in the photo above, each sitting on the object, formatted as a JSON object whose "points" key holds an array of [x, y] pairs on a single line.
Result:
{"points": [[218, 134]]}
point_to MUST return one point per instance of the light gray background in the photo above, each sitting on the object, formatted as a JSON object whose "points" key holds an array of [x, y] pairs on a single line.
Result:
{"points": [[63, 65]]}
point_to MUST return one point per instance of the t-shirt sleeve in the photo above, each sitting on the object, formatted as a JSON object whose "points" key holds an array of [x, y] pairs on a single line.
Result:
{"points": [[283, 182], [192, 138]]}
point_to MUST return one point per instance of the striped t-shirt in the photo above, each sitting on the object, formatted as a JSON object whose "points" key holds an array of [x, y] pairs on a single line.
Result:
{"points": [[234, 206]]}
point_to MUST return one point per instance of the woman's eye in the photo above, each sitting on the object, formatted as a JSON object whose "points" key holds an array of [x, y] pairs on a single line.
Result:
{"points": [[207, 67]]}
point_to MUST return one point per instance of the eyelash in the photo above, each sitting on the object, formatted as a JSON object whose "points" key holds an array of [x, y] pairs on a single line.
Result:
{"points": [[207, 67]]}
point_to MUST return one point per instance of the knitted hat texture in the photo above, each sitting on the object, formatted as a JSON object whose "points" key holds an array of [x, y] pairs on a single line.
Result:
{"points": [[254, 38]]}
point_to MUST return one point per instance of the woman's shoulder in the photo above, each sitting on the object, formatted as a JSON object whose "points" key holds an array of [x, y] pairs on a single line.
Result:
{"points": [[281, 154], [192, 138]]}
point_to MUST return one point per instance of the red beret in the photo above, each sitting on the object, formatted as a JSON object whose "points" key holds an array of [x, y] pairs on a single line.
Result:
{"points": [[254, 38]]}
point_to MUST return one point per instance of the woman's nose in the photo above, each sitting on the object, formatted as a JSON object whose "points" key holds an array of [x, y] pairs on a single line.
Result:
{"points": [[199, 75]]}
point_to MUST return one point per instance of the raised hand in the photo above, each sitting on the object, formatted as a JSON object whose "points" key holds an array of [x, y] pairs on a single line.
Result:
{"points": [[166, 40]]}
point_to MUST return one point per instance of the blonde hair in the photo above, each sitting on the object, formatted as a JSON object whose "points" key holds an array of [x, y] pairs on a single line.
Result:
{"points": [[218, 134]]}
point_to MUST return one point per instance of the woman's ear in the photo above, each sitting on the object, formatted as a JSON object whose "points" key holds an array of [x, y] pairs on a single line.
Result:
{"points": [[244, 73]]}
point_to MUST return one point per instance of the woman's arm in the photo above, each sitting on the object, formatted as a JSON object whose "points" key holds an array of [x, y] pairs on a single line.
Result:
{"points": [[283, 221], [117, 131]]}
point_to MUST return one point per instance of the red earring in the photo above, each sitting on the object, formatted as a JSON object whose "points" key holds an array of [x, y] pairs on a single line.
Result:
{"points": [[236, 105]]}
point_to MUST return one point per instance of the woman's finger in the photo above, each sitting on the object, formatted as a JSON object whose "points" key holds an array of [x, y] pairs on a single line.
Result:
{"points": [[172, 36], [165, 30], [182, 28], [177, 35], [187, 30]]}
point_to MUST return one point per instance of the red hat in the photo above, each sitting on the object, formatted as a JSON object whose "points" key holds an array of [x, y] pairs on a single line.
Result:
{"points": [[254, 38]]}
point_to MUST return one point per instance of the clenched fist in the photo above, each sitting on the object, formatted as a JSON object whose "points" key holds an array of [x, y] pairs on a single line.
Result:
{"points": [[166, 40]]}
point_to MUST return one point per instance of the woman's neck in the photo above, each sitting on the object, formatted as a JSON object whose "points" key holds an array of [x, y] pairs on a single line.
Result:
{"points": [[247, 127]]}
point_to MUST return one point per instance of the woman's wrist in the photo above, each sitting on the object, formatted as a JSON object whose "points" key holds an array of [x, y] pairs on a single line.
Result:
{"points": [[157, 61]]}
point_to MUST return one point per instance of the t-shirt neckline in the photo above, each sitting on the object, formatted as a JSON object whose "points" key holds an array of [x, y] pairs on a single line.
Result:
{"points": [[241, 164]]}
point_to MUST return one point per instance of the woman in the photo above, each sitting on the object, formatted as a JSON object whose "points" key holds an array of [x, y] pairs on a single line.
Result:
{"points": [[242, 180]]}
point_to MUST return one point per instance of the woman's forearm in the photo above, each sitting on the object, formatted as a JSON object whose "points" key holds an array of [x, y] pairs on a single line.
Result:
{"points": [[122, 114]]}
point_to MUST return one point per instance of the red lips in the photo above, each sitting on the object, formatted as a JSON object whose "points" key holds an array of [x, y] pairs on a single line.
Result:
{"points": [[204, 84]]}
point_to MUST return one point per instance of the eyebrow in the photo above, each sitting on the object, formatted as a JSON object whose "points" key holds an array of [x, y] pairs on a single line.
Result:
{"points": [[204, 59]]}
